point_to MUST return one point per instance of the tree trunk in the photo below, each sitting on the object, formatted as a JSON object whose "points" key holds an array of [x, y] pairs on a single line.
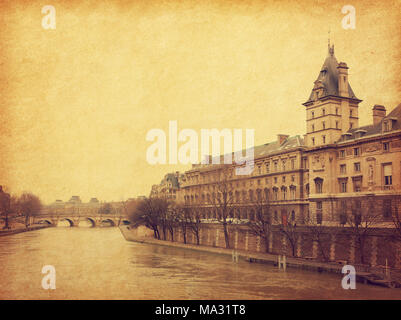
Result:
{"points": [[226, 235]]}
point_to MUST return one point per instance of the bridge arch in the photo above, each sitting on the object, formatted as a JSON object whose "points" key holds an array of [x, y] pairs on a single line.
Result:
{"points": [[44, 221], [111, 221], [91, 220], [68, 220]]}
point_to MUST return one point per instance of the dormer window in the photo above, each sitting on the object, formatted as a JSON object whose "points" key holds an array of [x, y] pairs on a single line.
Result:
{"points": [[388, 124]]}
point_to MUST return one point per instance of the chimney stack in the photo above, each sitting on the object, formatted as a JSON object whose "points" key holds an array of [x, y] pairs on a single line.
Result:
{"points": [[281, 138], [379, 112], [342, 79]]}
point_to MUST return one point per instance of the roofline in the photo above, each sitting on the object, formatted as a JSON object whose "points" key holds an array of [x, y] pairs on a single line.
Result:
{"points": [[309, 102]]}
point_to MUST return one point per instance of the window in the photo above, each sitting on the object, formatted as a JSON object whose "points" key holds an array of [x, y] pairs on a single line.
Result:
{"points": [[342, 153], [319, 185], [292, 178], [357, 184], [386, 146], [275, 179], [284, 193], [275, 166], [336, 124], [324, 111], [259, 170], [292, 164], [350, 113], [336, 111], [292, 192], [343, 186], [313, 128], [324, 125], [283, 179], [267, 167], [251, 195], [275, 194], [313, 114], [324, 139], [283, 164], [356, 152], [357, 167], [343, 168], [313, 141], [388, 174], [293, 215], [350, 125]]}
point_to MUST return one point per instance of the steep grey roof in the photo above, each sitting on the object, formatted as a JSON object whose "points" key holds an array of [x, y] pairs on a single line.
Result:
{"points": [[275, 147], [376, 129], [329, 77], [172, 178]]}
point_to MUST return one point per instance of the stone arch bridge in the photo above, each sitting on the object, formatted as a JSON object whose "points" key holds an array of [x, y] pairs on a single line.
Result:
{"points": [[74, 220]]}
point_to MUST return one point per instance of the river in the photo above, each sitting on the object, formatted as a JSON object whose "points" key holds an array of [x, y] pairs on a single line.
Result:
{"points": [[97, 263]]}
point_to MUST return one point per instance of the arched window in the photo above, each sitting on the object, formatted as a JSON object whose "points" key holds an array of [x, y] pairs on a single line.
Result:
{"points": [[284, 193], [293, 215], [293, 192], [319, 185], [250, 195]]}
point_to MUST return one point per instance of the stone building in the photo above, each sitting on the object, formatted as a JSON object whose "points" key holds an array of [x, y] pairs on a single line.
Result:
{"points": [[278, 175], [168, 187], [336, 168]]}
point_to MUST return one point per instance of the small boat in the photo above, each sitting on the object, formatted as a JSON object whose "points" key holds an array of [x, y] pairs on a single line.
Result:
{"points": [[379, 280]]}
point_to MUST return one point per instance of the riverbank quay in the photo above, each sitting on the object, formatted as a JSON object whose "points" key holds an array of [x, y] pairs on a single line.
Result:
{"points": [[141, 236], [20, 230]]}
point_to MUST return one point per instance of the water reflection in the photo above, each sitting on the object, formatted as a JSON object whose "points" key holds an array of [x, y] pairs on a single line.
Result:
{"points": [[97, 263]]}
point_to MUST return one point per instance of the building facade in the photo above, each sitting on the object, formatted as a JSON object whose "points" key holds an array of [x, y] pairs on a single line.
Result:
{"points": [[337, 168]]}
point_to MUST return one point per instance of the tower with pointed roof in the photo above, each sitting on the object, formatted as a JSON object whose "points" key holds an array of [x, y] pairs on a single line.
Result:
{"points": [[332, 107]]}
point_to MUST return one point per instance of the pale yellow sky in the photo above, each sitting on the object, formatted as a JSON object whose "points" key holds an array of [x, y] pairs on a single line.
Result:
{"points": [[76, 102]]}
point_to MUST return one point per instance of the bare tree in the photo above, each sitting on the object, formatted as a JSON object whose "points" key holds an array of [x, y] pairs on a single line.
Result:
{"points": [[362, 221], [193, 218], [261, 224], [5, 207], [318, 233], [288, 228], [181, 214], [29, 205], [149, 212], [222, 200], [396, 216]]}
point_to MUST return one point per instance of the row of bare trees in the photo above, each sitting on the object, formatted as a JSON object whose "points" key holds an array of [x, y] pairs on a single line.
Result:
{"points": [[357, 219], [164, 217], [20, 209]]}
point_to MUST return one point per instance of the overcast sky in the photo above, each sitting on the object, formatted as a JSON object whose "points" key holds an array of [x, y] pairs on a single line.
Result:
{"points": [[76, 102]]}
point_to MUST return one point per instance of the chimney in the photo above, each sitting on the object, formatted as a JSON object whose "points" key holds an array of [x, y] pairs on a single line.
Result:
{"points": [[342, 79], [281, 138], [379, 112]]}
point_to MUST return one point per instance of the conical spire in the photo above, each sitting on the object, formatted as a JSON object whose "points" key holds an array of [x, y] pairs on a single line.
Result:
{"points": [[328, 76]]}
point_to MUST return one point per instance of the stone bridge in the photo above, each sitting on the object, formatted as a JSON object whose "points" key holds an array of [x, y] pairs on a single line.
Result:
{"points": [[95, 219]]}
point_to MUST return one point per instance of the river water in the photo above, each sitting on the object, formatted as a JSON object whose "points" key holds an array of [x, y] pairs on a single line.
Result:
{"points": [[97, 263]]}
